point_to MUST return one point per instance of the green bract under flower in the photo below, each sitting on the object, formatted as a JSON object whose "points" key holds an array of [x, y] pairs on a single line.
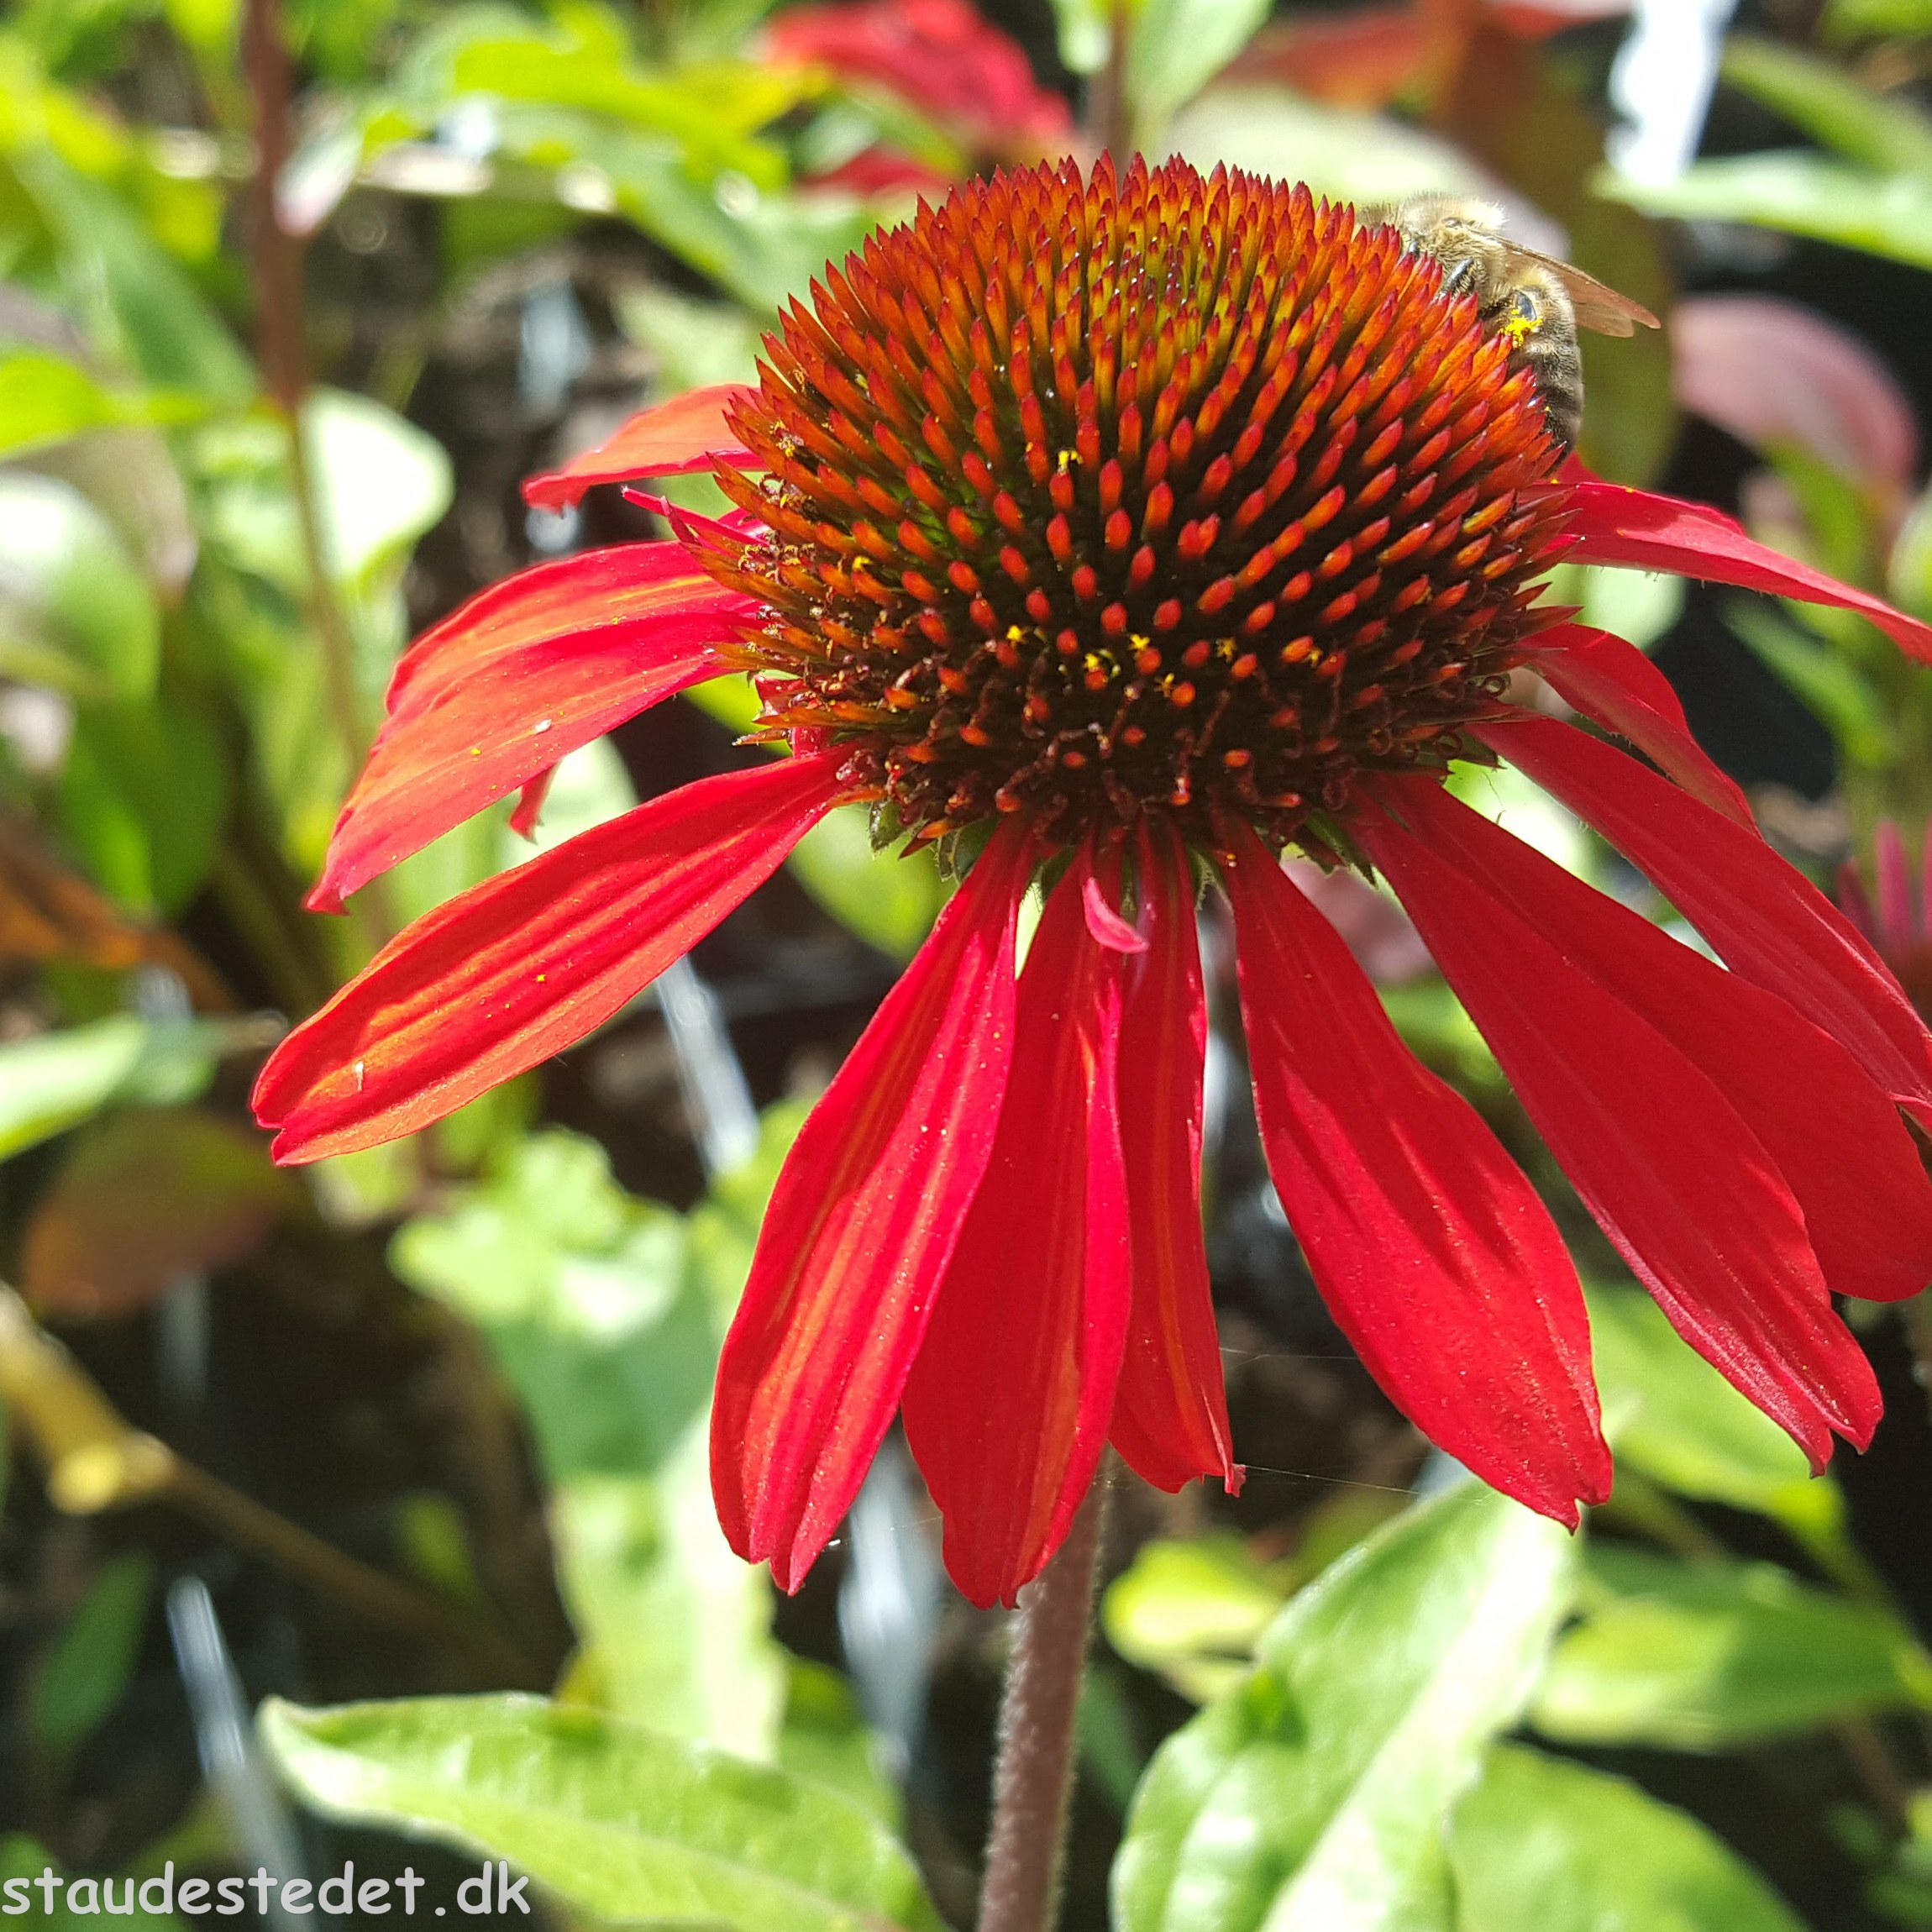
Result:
{"points": [[1175, 494]]}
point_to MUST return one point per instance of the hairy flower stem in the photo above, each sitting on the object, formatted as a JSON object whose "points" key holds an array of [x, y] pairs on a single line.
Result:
{"points": [[279, 302], [1033, 1780]]}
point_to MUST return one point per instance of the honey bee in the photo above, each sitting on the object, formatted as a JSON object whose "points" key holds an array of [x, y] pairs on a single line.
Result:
{"points": [[1534, 300]]}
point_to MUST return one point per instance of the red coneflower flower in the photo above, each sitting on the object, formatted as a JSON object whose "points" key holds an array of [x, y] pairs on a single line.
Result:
{"points": [[1124, 536]]}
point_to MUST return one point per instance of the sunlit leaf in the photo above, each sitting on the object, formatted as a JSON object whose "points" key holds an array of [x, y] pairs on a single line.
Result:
{"points": [[1543, 1845], [614, 1820], [1804, 194], [382, 482], [1850, 19], [1313, 1796], [1671, 1415], [87, 1666], [1885, 132], [1178, 47], [70, 590], [1712, 1655], [52, 1083], [46, 399], [1193, 1611], [889, 900]]}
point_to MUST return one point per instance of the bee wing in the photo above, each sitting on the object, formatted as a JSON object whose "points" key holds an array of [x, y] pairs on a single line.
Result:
{"points": [[1597, 306]]}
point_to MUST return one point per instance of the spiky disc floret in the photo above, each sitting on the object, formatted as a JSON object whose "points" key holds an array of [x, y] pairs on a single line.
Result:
{"points": [[1088, 499]]}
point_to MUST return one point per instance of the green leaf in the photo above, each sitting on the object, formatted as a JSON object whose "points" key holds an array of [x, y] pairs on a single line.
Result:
{"points": [[1712, 1655], [1193, 1611], [140, 310], [610, 1336], [580, 1289], [1541, 1845], [825, 1739], [1852, 19], [143, 796], [380, 482], [1908, 574], [1673, 1417], [1885, 132], [1803, 194], [71, 599], [613, 1819], [1312, 1798], [1178, 47], [22, 1857], [86, 1669], [55, 1082], [46, 399], [1085, 34], [889, 900]]}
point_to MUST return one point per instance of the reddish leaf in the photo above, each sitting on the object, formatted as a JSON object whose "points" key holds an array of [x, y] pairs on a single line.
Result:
{"points": [[1170, 1416], [521, 966], [501, 688], [862, 1224], [689, 433], [1777, 375], [1636, 530], [1008, 1404], [1766, 921], [1690, 1195], [1360, 60], [147, 1196], [1433, 1252]]}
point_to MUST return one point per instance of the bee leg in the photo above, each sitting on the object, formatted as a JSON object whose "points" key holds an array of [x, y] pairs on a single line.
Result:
{"points": [[1458, 277]]}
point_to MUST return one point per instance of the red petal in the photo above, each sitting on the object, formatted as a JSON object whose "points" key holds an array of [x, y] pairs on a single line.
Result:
{"points": [[1431, 1250], [1613, 684], [1837, 1140], [1687, 1193], [520, 966], [1611, 524], [1007, 1405], [861, 1226], [671, 438], [501, 688], [1170, 1415], [1769, 924], [529, 812]]}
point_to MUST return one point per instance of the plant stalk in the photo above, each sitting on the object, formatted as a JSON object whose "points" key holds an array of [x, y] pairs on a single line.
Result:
{"points": [[1033, 1778], [1109, 120]]}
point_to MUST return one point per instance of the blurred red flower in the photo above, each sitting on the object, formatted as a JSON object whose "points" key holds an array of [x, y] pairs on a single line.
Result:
{"points": [[1898, 918], [1121, 537], [943, 58]]}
